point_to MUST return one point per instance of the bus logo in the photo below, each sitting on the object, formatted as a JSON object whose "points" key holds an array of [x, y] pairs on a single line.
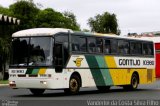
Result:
{"points": [[78, 62]]}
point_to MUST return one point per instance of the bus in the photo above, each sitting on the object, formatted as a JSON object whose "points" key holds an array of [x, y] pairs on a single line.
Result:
{"points": [[156, 40], [57, 58]]}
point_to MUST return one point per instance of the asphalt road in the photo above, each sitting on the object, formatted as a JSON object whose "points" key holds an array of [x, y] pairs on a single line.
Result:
{"points": [[144, 93]]}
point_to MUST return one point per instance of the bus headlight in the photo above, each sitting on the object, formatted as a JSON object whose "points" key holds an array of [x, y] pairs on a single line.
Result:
{"points": [[43, 82], [12, 82]]}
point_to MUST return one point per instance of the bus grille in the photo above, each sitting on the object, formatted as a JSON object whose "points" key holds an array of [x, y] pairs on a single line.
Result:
{"points": [[22, 75]]}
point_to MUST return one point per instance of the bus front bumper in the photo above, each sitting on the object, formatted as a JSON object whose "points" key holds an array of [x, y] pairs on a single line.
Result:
{"points": [[38, 83]]}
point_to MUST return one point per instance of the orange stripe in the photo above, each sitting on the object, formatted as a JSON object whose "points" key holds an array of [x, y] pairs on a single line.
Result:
{"points": [[42, 71]]}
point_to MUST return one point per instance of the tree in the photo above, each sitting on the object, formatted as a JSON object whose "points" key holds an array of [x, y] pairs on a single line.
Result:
{"points": [[51, 18], [4, 11], [71, 21], [105, 23], [26, 11], [4, 55]]}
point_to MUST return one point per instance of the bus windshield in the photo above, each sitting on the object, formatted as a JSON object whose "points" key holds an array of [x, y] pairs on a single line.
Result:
{"points": [[33, 51]]}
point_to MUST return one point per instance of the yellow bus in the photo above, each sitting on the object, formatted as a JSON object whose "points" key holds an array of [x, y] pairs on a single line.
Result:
{"points": [[54, 58]]}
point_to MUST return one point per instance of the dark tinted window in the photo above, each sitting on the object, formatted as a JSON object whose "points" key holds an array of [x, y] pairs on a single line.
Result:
{"points": [[113, 46], [99, 43], [37, 52], [136, 48], [147, 49], [123, 47], [79, 43], [20, 50], [107, 46], [91, 44], [61, 38]]}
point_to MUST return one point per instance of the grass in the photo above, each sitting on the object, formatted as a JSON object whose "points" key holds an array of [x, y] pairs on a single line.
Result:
{"points": [[3, 81]]}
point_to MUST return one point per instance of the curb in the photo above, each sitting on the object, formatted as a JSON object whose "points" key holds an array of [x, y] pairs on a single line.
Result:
{"points": [[4, 85]]}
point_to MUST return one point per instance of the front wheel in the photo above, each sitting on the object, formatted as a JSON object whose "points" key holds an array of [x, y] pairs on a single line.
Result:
{"points": [[74, 85], [37, 91]]}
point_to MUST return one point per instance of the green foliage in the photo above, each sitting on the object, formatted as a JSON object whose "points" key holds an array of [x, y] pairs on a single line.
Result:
{"points": [[31, 16], [4, 11], [49, 18], [4, 50], [105, 23], [26, 11], [53, 19], [4, 82], [70, 20], [4, 56]]}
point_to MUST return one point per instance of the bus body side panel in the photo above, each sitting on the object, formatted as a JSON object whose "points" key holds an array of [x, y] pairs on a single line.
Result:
{"points": [[107, 70], [122, 68], [94, 70], [78, 63]]}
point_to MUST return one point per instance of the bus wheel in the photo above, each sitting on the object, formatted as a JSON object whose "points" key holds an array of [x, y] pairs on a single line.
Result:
{"points": [[74, 85], [103, 88], [134, 83], [37, 91]]}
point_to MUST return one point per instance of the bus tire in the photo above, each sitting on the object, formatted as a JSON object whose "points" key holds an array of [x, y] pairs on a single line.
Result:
{"points": [[37, 91], [133, 84], [103, 88], [74, 85]]}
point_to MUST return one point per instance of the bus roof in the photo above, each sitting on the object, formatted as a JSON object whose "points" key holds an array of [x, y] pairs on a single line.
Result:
{"points": [[52, 31], [39, 32], [154, 39], [111, 36]]}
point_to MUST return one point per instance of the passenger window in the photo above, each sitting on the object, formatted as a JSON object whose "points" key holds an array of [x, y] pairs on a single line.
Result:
{"points": [[99, 43], [107, 46], [136, 48], [147, 49], [91, 44], [123, 47], [79, 43], [113, 46]]}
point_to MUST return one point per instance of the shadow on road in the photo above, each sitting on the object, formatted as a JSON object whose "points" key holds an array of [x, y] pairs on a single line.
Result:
{"points": [[91, 92]]}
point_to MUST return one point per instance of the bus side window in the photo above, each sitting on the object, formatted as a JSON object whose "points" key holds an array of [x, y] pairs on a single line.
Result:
{"points": [[151, 49], [123, 47], [114, 46], [91, 44], [136, 48], [99, 43], [147, 49], [107, 46], [78, 43], [75, 47], [75, 43], [83, 44]]}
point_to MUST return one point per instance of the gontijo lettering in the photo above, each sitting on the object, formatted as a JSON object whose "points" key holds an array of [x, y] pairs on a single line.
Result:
{"points": [[128, 62]]}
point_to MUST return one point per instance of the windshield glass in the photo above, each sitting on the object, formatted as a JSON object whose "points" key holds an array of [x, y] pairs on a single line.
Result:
{"points": [[34, 51]]}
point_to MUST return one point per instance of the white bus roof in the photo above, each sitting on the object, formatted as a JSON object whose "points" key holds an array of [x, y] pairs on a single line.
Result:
{"points": [[154, 39], [52, 31], [39, 32]]}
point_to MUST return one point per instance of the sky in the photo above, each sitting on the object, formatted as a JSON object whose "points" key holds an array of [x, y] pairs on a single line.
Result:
{"points": [[134, 16]]}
